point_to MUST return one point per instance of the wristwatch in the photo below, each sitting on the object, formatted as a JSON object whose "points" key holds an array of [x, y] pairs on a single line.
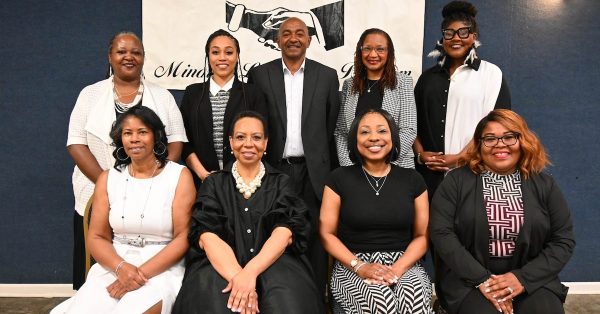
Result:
{"points": [[354, 262]]}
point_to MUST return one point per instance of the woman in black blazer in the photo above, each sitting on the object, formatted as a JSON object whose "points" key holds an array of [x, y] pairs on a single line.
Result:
{"points": [[501, 228], [209, 107]]}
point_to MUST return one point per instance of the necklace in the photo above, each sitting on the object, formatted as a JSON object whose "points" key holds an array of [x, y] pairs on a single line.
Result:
{"points": [[371, 86], [132, 174], [376, 181], [247, 189], [122, 107]]}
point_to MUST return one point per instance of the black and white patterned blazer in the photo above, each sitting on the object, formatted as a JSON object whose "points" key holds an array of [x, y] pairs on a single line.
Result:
{"points": [[399, 102]]}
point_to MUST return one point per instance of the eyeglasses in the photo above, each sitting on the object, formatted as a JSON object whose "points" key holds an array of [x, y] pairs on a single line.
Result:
{"points": [[378, 50], [462, 32], [509, 139]]}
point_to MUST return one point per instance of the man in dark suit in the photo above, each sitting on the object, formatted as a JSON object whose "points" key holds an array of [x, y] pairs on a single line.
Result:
{"points": [[303, 101]]}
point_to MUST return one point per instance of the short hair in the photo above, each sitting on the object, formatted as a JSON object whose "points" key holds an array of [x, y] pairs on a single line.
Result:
{"points": [[211, 37], [290, 19], [462, 11], [355, 156], [388, 78], [250, 114], [151, 120], [533, 155], [122, 33]]}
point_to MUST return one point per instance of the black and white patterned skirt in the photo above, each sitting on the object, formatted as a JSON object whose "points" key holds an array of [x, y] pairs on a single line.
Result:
{"points": [[411, 295]]}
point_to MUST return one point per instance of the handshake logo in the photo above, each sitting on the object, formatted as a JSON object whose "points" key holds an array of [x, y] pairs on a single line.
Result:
{"points": [[325, 23]]}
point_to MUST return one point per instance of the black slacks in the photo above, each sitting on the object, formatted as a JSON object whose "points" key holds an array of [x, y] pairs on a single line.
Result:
{"points": [[302, 185]]}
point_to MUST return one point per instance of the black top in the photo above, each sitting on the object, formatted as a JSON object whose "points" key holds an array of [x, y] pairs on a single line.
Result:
{"points": [[376, 223], [370, 100], [245, 225], [220, 208], [196, 112], [458, 228]]}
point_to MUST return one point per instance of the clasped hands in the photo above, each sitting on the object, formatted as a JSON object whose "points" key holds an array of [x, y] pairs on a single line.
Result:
{"points": [[242, 293], [130, 278], [377, 274], [500, 290], [437, 161]]}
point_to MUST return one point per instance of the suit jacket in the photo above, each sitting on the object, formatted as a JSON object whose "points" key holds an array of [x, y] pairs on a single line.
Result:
{"points": [[320, 107], [459, 230], [196, 111], [399, 102]]}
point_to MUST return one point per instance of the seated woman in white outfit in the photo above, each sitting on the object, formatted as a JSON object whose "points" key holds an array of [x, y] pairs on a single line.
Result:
{"points": [[145, 202]]}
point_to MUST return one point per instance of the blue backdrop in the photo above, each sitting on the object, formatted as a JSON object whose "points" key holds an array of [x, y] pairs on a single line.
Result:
{"points": [[52, 49]]}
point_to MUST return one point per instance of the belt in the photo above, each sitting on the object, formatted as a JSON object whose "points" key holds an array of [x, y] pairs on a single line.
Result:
{"points": [[293, 160], [139, 241]]}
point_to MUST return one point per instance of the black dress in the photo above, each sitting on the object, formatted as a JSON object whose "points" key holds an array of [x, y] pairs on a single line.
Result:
{"points": [[245, 225]]}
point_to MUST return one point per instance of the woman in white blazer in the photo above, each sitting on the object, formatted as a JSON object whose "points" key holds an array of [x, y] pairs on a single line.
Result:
{"points": [[94, 113]]}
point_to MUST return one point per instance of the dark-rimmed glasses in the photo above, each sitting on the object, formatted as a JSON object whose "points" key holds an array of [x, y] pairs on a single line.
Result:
{"points": [[509, 139], [367, 50], [463, 33]]}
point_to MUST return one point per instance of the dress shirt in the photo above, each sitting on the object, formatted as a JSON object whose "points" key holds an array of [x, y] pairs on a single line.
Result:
{"points": [[294, 84], [215, 88]]}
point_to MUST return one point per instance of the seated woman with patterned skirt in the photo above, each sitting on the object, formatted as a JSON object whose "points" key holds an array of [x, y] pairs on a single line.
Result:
{"points": [[374, 219]]}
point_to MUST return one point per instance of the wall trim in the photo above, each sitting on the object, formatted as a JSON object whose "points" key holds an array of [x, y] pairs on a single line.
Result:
{"points": [[66, 290]]}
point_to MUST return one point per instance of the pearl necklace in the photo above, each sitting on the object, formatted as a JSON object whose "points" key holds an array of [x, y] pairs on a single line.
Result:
{"points": [[247, 189], [369, 87]]}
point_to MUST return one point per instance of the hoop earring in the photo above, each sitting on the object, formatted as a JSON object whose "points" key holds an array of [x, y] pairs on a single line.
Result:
{"points": [[119, 157], [164, 149]]}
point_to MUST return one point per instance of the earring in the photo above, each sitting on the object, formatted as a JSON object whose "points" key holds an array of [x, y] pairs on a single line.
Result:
{"points": [[163, 148], [265, 152], [231, 152], [119, 157]]}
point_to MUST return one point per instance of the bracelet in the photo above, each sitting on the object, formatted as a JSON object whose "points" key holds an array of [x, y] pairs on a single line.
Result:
{"points": [[419, 160], [359, 266], [119, 267]]}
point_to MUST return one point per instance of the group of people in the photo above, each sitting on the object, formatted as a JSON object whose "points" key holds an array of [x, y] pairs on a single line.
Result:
{"points": [[249, 224]]}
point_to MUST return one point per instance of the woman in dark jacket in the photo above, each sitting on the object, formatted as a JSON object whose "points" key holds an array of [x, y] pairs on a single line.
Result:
{"points": [[248, 236], [502, 229], [208, 108]]}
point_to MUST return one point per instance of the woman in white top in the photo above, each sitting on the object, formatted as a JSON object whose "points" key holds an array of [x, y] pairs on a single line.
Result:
{"points": [[96, 109], [138, 231]]}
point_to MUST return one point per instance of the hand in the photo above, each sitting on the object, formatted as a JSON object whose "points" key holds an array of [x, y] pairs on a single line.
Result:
{"points": [[130, 277], [377, 274], [116, 290], [437, 161], [243, 297], [503, 306], [505, 286], [204, 174]]}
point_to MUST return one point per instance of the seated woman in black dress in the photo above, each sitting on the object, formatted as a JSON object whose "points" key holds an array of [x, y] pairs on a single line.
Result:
{"points": [[374, 219], [501, 227], [248, 236]]}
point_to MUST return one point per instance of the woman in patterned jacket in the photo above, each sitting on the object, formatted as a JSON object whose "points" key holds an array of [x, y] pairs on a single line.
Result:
{"points": [[373, 221], [377, 84], [501, 228]]}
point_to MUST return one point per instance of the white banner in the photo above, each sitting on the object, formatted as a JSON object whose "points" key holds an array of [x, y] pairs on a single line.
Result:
{"points": [[175, 33]]}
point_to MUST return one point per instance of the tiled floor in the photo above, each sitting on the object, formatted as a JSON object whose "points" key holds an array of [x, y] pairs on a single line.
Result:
{"points": [[576, 304]]}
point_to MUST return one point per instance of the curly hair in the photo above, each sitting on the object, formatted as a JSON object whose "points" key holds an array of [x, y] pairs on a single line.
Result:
{"points": [[460, 11], [150, 120], [388, 79], [533, 155]]}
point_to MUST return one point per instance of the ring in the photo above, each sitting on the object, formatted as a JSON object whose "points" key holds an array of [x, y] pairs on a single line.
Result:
{"points": [[249, 305], [510, 290]]}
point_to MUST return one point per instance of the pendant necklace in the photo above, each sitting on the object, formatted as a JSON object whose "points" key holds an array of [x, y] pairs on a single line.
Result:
{"points": [[375, 188], [371, 86], [132, 174]]}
